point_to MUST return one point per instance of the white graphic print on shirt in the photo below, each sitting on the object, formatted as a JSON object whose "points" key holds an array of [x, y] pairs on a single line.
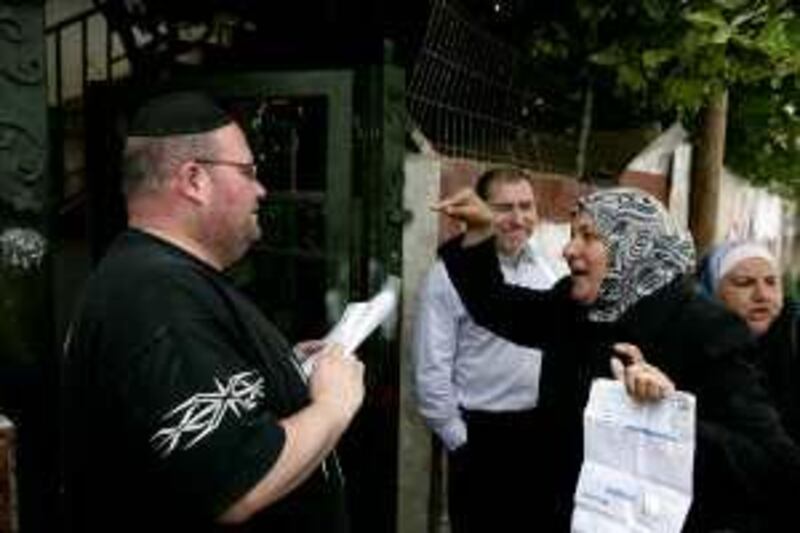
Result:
{"points": [[201, 414]]}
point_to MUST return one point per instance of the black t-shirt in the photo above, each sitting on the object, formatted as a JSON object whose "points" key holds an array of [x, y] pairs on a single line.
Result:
{"points": [[174, 386]]}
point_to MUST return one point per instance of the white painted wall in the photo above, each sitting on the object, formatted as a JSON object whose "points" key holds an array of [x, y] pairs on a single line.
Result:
{"points": [[420, 238], [744, 211], [679, 190], [747, 212]]}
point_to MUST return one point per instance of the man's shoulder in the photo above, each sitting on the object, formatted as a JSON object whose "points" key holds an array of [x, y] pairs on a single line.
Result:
{"points": [[140, 278], [138, 262], [135, 250]]}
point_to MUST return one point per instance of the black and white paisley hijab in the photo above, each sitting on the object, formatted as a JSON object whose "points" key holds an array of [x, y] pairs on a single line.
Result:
{"points": [[646, 248]]}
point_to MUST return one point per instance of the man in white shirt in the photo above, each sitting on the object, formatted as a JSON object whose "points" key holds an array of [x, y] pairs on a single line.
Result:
{"points": [[477, 392]]}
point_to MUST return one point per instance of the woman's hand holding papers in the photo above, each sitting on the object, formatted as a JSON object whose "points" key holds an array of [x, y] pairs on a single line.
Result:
{"points": [[643, 381]]}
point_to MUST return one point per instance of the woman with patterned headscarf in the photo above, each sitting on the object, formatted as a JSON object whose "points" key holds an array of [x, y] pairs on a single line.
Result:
{"points": [[629, 297]]}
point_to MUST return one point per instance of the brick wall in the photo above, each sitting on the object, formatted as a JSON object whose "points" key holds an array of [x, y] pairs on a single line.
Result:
{"points": [[655, 184]]}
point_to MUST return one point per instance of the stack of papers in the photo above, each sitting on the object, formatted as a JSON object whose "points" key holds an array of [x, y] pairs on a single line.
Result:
{"points": [[638, 463]]}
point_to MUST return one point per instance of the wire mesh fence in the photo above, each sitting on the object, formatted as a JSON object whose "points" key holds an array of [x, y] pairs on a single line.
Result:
{"points": [[470, 94]]}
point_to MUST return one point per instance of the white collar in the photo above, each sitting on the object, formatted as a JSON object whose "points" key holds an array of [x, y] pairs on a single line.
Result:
{"points": [[525, 254]]}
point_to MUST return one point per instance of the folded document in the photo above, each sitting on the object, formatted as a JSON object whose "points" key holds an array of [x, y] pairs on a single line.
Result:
{"points": [[360, 319], [638, 462]]}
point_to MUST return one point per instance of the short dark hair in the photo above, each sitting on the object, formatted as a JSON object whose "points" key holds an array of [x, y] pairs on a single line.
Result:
{"points": [[500, 175], [147, 162]]}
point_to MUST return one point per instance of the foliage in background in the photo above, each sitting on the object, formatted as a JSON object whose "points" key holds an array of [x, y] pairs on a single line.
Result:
{"points": [[682, 53], [763, 141], [668, 58]]}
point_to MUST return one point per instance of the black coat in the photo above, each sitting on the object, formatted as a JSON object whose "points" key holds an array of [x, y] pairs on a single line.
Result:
{"points": [[743, 452], [779, 359]]}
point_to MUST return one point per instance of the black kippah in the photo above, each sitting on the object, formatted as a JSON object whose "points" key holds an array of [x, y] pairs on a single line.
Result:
{"points": [[180, 113]]}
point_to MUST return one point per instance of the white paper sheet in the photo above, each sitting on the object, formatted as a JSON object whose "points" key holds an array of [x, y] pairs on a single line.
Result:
{"points": [[638, 463], [360, 319]]}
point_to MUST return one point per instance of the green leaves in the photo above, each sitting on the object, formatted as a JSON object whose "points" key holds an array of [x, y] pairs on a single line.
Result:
{"points": [[610, 57], [686, 94], [662, 58], [763, 141], [710, 20], [683, 52], [653, 59], [793, 32], [656, 10]]}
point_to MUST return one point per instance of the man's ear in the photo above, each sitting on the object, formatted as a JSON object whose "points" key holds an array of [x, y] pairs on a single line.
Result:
{"points": [[193, 182]]}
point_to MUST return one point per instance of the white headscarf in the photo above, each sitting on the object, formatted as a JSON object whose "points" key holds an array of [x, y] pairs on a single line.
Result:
{"points": [[646, 248], [723, 258]]}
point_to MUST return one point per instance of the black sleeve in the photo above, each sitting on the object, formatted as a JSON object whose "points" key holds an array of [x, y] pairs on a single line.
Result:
{"points": [[202, 412], [525, 316], [743, 449]]}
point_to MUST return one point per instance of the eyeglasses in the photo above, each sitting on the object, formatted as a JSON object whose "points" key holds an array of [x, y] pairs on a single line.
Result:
{"points": [[250, 170]]}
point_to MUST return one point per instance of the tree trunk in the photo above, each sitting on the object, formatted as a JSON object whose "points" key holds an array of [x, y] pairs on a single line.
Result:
{"points": [[586, 130], [709, 153]]}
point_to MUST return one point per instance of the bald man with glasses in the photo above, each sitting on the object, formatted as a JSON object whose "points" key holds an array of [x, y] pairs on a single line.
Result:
{"points": [[186, 410]]}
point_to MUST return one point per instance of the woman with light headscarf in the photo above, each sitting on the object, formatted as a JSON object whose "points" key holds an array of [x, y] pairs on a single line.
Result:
{"points": [[630, 292], [744, 276]]}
